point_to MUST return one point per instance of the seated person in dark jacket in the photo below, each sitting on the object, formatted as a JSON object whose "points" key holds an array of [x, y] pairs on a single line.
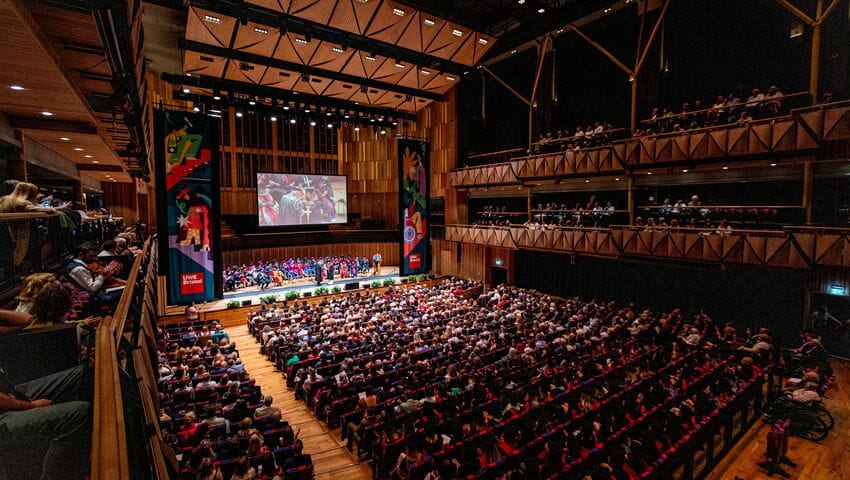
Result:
{"points": [[299, 459]]}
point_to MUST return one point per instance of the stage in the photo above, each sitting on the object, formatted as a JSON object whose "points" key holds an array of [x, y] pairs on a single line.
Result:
{"points": [[254, 293]]}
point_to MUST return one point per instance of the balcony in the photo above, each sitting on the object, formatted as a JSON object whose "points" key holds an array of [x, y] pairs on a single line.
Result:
{"points": [[802, 132], [790, 247]]}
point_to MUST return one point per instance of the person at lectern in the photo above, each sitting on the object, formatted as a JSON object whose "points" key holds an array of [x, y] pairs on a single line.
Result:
{"points": [[376, 261]]}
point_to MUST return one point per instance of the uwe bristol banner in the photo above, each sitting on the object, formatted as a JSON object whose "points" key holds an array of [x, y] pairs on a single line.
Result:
{"points": [[188, 207], [413, 168]]}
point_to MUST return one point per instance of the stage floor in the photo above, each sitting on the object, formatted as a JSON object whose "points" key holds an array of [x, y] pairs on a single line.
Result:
{"points": [[254, 293]]}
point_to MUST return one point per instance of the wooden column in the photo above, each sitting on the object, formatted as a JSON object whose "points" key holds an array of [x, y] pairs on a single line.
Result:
{"points": [[631, 197], [807, 191], [814, 63]]}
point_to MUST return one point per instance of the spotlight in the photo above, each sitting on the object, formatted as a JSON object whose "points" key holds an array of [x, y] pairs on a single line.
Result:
{"points": [[238, 114], [292, 121], [273, 118]]}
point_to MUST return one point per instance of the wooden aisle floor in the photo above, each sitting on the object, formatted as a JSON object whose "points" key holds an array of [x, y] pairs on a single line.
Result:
{"points": [[824, 460], [330, 457]]}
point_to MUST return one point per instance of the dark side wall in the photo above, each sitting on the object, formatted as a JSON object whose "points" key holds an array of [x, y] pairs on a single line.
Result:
{"points": [[747, 297]]}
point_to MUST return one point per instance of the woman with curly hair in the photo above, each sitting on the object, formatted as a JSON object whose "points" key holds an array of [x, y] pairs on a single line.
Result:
{"points": [[51, 306], [32, 286]]}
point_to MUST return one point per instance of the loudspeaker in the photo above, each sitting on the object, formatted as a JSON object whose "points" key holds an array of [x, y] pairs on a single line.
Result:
{"points": [[245, 303], [365, 285], [352, 286], [307, 294]]}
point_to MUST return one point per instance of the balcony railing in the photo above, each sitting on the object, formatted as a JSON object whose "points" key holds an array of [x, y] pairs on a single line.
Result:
{"points": [[802, 131], [790, 247]]}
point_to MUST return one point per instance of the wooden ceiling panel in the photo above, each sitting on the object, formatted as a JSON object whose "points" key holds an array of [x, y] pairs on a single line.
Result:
{"points": [[328, 57], [482, 44], [466, 50], [344, 17], [209, 27], [364, 11], [390, 73], [318, 11], [203, 64], [446, 42], [411, 78], [340, 89], [304, 51], [286, 49], [257, 39], [245, 72], [439, 83], [278, 78], [387, 26], [411, 37]]}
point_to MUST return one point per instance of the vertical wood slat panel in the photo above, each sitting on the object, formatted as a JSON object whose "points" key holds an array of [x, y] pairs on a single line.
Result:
{"points": [[389, 251]]}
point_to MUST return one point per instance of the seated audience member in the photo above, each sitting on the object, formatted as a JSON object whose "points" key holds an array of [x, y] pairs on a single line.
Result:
{"points": [[51, 414], [31, 287], [52, 306], [299, 459], [83, 277], [267, 409], [108, 249]]}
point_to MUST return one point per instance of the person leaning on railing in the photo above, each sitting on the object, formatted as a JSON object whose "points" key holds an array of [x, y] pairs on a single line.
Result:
{"points": [[22, 199], [46, 420]]}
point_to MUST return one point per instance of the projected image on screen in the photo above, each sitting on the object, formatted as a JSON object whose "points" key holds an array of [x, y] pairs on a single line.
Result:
{"points": [[289, 199]]}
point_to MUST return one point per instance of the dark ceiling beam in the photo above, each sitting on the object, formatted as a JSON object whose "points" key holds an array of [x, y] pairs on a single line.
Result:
{"points": [[32, 123], [249, 12], [296, 67], [278, 94]]}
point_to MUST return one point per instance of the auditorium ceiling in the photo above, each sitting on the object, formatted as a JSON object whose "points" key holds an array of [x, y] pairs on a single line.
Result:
{"points": [[385, 54]]}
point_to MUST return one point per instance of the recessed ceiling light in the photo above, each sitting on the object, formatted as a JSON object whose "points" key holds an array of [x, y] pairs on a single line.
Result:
{"points": [[292, 121], [261, 31], [772, 164], [450, 78], [685, 171], [649, 173], [425, 72], [88, 156], [212, 19], [300, 40], [273, 118], [383, 132], [286, 107], [356, 129], [541, 10], [48, 114], [252, 102], [429, 22], [371, 58], [725, 168], [513, 51], [521, 2], [65, 139], [78, 149], [616, 179], [398, 12], [312, 123], [195, 108], [337, 49], [17, 87], [483, 41], [216, 97], [306, 110], [330, 125], [587, 181], [239, 114], [457, 33], [607, 10], [399, 65], [186, 90], [95, 161]]}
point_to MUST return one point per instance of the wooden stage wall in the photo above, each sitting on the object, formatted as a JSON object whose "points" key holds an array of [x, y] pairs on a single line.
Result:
{"points": [[388, 250], [474, 262]]}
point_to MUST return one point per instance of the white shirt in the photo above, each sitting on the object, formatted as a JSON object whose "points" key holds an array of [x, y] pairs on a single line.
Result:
{"points": [[84, 277]]}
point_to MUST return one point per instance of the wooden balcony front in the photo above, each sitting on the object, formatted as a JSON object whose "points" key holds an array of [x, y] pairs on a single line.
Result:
{"points": [[801, 133], [792, 247]]}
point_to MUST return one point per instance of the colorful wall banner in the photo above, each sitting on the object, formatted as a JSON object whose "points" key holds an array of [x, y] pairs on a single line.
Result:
{"points": [[413, 168], [187, 186]]}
